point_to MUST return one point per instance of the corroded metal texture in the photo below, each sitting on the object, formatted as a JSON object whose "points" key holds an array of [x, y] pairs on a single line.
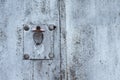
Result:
{"points": [[16, 16], [93, 39], [86, 40]]}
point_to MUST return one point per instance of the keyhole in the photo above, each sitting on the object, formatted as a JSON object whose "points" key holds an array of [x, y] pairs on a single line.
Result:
{"points": [[38, 35]]}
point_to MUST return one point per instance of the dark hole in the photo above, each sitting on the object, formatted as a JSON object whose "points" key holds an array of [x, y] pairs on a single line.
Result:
{"points": [[37, 43], [38, 28], [54, 26]]}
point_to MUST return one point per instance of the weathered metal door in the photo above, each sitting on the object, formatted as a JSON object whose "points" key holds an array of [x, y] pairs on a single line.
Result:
{"points": [[59, 39], [29, 40]]}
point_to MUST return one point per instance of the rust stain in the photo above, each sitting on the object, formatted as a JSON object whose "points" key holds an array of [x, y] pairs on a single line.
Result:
{"points": [[3, 36], [73, 74], [19, 40]]}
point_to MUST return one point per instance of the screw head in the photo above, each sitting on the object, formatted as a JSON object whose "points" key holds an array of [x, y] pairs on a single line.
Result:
{"points": [[51, 55], [52, 27], [26, 27], [26, 56]]}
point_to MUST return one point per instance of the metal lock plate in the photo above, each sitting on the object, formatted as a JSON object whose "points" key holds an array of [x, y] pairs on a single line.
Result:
{"points": [[42, 50]]}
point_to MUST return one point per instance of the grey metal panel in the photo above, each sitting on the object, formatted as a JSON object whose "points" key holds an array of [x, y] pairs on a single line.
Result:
{"points": [[11, 40], [93, 43], [13, 14]]}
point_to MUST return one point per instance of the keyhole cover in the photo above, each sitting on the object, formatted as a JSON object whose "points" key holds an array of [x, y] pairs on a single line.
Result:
{"points": [[39, 42]]}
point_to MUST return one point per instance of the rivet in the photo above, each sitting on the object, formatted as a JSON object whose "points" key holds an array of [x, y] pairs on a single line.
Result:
{"points": [[26, 56], [26, 27], [51, 55], [52, 27]]}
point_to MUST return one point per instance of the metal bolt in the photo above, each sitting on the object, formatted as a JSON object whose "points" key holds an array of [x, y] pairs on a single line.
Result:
{"points": [[52, 27], [51, 55], [26, 56], [26, 27]]}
